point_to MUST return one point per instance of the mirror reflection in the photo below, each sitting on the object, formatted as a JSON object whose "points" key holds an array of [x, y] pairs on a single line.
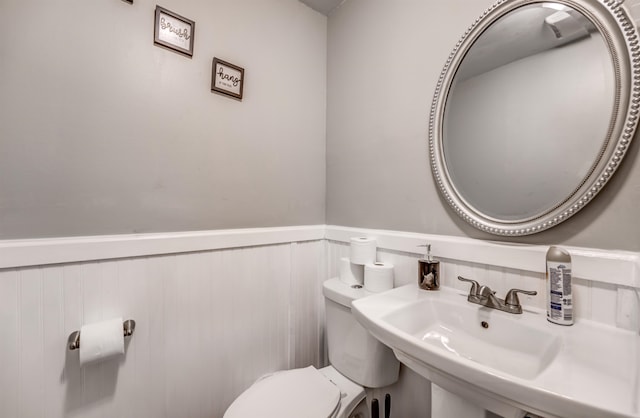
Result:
{"points": [[528, 111]]}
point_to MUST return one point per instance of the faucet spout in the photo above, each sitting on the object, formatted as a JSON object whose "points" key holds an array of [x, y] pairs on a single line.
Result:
{"points": [[487, 297]]}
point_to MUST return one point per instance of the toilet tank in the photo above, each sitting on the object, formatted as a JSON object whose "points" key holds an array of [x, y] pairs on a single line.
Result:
{"points": [[352, 350]]}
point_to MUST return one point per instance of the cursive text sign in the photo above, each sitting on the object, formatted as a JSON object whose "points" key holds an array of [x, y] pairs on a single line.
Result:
{"points": [[227, 78], [174, 31]]}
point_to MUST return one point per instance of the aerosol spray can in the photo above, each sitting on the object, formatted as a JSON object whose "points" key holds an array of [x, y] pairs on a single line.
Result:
{"points": [[559, 296]]}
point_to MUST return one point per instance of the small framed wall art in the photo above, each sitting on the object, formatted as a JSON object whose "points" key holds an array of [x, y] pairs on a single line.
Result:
{"points": [[227, 79], [174, 32]]}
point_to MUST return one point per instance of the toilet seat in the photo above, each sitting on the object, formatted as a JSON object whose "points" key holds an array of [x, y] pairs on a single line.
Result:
{"points": [[290, 394]]}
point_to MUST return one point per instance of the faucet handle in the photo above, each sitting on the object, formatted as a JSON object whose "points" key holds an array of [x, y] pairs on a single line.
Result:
{"points": [[512, 296], [474, 285]]}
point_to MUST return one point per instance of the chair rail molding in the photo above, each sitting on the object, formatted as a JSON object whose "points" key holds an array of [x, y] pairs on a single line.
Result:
{"points": [[606, 266], [41, 251]]}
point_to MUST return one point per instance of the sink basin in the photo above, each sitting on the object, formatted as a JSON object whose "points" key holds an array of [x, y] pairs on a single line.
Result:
{"points": [[496, 341], [504, 362]]}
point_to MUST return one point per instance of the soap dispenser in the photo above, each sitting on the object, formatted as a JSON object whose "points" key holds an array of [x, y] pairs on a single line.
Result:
{"points": [[428, 271]]}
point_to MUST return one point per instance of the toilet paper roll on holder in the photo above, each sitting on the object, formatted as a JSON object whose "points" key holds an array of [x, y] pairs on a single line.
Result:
{"points": [[128, 327]]}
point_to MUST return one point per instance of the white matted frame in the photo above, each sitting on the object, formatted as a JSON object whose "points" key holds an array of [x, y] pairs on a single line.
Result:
{"points": [[227, 79], [173, 31]]}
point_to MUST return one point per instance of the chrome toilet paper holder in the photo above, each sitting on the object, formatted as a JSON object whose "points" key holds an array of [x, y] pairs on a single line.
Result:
{"points": [[128, 327]]}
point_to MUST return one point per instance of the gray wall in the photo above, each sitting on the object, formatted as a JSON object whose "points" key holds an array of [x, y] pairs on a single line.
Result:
{"points": [[101, 132], [384, 59]]}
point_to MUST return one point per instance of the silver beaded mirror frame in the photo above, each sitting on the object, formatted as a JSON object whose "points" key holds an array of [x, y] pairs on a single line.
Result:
{"points": [[615, 25]]}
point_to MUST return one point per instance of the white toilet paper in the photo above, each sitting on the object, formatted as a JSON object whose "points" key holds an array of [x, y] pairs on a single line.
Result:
{"points": [[363, 250], [378, 277], [101, 340], [351, 273]]}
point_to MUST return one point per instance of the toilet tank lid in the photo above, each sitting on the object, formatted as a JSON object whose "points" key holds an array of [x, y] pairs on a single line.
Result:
{"points": [[342, 293]]}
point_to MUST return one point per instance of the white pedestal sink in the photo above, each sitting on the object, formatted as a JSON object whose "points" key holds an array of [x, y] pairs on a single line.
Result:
{"points": [[507, 363]]}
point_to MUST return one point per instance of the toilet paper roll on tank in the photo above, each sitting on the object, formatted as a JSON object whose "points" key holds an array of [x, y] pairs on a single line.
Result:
{"points": [[361, 267], [351, 274], [362, 250], [378, 277]]}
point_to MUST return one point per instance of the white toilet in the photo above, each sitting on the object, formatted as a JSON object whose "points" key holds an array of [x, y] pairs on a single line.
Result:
{"points": [[337, 391]]}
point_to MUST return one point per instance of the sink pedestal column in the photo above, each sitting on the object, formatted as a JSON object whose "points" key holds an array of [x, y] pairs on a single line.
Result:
{"points": [[445, 404]]}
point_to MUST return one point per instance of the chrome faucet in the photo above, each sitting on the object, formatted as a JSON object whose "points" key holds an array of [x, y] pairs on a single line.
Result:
{"points": [[484, 296]]}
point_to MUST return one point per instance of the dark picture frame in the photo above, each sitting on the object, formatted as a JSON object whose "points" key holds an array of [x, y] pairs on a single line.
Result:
{"points": [[227, 79], [174, 32]]}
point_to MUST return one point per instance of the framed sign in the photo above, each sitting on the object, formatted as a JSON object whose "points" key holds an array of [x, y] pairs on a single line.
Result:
{"points": [[174, 32], [227, 79]]}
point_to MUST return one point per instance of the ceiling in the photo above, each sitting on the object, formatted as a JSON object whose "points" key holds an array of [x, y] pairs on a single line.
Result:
{"points": [[323, 6]]}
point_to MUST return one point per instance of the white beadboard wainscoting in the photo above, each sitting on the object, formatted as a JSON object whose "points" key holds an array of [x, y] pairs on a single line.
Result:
{"points": [[217, 309], [208, 324]]}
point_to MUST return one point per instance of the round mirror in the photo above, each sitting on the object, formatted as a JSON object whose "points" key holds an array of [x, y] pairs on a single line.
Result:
{"points": [[534, 110]]}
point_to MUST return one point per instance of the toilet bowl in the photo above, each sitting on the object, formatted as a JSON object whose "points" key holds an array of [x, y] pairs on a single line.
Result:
{"points": [[337, 391]]}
